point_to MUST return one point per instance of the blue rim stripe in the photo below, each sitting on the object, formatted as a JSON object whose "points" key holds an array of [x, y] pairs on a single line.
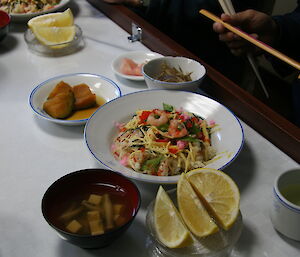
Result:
{"points": [[292, 208], [62, 76], [138, 92]]}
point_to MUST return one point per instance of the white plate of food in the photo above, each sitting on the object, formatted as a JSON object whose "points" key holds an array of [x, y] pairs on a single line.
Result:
{"points": [[22, 11], [146, 148], [79, 96], [129, 65]]}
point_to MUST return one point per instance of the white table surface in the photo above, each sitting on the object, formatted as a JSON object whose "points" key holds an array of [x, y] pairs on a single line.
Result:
{"points": [[35, 153]]}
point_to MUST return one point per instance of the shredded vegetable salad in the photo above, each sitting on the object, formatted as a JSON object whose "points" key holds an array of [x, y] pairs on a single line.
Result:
{"points": [[164, 142], [27, 6]]}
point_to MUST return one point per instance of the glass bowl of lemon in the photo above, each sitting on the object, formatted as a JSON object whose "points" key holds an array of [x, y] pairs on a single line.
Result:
{"points": [[199, 218], [53, 34]]}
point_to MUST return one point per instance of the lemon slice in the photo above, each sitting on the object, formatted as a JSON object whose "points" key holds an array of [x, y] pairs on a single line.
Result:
{"points": [[219, 194], [169, 227], [59, 19], [192, 211], [51, 36]]}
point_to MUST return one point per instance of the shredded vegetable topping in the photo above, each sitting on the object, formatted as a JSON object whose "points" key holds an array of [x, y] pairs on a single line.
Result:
{"points": [[171, 74], [164, 142], [27, 6]]}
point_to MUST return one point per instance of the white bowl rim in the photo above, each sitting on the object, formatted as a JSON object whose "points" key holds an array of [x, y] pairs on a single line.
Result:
{"points": [[62, 76], [174, 83], [176, 177]]}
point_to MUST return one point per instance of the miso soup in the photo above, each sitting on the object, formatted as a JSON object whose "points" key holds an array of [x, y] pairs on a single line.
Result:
{"points": [[93, 210]]}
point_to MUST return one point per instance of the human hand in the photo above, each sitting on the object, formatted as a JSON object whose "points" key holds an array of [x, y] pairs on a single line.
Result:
{"points": [[257, 24]]}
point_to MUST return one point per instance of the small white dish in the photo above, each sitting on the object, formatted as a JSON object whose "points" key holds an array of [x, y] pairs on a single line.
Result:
{"points": [[153, 68], [23, 17], [100, 85], [138, 57], [227, 139]]}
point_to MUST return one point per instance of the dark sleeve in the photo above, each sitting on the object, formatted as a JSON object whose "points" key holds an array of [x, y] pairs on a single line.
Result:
{"points": [[181, 20], [175, 16], [289, 38]]}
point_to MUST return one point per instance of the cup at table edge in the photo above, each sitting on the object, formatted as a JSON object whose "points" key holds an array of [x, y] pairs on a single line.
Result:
{"points": [[285, 215]]}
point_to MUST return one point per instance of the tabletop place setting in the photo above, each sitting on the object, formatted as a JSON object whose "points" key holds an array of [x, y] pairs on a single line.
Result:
{"points": [[165, 168]]}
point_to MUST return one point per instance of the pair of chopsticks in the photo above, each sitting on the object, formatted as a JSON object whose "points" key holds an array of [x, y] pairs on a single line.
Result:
{"points": [[229, 9], [252, 40]]}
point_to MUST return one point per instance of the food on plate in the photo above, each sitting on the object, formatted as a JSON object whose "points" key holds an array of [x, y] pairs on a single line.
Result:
{"points": [[170, 229], [129, 67], [201, 194], [171, 74], [214, 187], [54, 29], [164, 142], [57, 19], [64, 100], [193, 211], [84, 98], [60, 88], [94, 214], [27, 6], [53, 36], [60, 101]]}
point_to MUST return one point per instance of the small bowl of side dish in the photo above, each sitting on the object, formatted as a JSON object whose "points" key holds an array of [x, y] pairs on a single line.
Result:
{"points": [[174, 73], [91, 208], [103, 88], [4, 24], [226, 136], [129, 65]]}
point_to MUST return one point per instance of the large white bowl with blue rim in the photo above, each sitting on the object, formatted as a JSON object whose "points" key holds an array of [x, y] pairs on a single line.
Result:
{"points": [[227, 137], [100, 85]]}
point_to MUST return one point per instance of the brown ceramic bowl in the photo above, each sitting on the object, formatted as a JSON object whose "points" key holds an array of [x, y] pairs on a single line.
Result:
{"points": [[85, 182]]}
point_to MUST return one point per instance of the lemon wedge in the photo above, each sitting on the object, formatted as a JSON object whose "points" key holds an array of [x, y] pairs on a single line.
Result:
{"points": [[192, 210], [59, 19], [52, 36], [219, 194], [169, 227]]}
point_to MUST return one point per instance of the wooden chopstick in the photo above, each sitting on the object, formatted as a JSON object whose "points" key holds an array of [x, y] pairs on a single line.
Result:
{"points": [[252, 40]]}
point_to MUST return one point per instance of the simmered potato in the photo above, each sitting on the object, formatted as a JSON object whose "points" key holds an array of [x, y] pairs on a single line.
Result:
{"points": [[60, 106], [84, 98], [60, 101]]}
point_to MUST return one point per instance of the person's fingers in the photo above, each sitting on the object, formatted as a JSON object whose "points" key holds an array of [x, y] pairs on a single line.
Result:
{"points": [[236, 44], [219, 28], [225, 17], [227, 37], [242, 19]]}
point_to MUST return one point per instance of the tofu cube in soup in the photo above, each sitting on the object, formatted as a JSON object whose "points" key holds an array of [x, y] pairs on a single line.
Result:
{"points": [[95, 199], [74, 226]]}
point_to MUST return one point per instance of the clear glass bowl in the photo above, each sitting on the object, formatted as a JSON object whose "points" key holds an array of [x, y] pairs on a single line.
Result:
{"points": [[54, 50], [219, 244]]}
